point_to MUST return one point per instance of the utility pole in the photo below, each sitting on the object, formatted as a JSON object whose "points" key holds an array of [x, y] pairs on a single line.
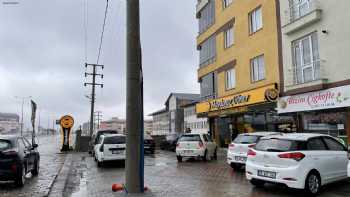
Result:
{"points": [[98, 117], [93, 84], [134, 176]]}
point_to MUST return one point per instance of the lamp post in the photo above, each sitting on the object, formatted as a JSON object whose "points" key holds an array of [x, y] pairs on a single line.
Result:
{"points": [[23, 99]]}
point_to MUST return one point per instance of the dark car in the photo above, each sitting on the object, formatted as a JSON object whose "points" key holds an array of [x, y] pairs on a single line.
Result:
{"points": [[149, 144], [169, 143], [96, 137], [17, 158]]}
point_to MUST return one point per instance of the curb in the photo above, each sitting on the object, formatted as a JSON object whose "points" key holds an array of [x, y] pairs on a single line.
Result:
{"points": [[61, 173]]}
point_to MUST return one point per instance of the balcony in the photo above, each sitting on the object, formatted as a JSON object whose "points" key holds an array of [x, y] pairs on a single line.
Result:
{"points": [[200, 5], [310, 74], [301, 15]]}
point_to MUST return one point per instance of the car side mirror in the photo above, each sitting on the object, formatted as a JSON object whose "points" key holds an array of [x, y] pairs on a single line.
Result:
{"points": [[35, 146]]}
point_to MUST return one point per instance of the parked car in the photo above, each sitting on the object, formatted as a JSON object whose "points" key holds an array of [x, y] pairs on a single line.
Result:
{"points": [[110, 147], [299, 160], [238, 149], [169, 143], [96, 137], [196, 146], [17, 158], [149, 144]]}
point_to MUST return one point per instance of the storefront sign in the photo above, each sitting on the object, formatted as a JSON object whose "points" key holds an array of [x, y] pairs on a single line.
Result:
{"points": [[325, 99], [237, 100]]}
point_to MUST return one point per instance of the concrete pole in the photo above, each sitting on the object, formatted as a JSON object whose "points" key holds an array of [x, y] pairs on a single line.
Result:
{"points": [[134, 160], [92, 101]]}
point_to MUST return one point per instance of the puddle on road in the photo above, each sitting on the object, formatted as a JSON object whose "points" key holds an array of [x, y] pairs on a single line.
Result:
{"points": [[82, 192]]}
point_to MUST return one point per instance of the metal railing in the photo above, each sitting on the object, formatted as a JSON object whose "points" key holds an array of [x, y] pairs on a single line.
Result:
{"points": [[307, 72], [298, 10]]}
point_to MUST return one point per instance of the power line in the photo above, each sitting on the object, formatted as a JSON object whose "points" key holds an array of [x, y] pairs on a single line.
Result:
{"points": [[102, 34], [86, 23]]}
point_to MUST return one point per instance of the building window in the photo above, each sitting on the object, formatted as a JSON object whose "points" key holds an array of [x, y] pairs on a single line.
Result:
{"points": [[207, 16], [207, 52], [299, 8], [226, 3], [208, 86], [306, 59], [255, 20], [257, 68], [229, 37], [230, 79]]}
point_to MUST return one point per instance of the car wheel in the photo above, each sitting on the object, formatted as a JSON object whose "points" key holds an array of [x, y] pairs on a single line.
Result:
{"points": [[313, 184], [35, 171], [205, 156], [257, 183], [215, 156], [21, 178], [99, 163], [179, 159]]}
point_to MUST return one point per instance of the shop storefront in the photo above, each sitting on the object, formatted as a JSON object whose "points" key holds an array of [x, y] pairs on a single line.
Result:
{"points": [[248, 111], [326, 111]]}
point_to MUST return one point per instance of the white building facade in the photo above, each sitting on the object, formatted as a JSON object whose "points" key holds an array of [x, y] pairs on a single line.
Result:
{"points": [[9, 123], [192, 123], [316, 72]]}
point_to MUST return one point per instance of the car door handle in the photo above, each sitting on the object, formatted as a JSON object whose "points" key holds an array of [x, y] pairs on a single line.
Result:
{"points": [[316, 158]]}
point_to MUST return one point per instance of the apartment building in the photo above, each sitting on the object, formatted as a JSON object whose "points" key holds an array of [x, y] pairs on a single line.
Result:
{"points": [[170, 120], [316, 74], [239, 66], [192, 123], [9, 123]]}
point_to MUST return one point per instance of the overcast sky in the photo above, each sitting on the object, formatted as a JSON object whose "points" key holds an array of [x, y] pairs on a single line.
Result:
{"points": [[42, 54]]}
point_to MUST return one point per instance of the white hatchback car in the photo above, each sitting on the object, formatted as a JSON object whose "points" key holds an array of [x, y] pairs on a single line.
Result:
{"points": [[299, 160], [196, 146], [238, 149], [111, 147]]}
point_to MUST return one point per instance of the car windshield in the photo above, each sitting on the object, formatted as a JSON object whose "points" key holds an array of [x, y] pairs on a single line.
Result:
{"points": [[5, 145], [115, 140], [277, 145], [246, 139], [190, 138]]}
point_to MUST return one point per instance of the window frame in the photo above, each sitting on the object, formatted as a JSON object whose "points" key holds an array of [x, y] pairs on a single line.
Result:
{"points": [[252, 70], [252, 30], [232, 73], [335, 141], [226, 3], [316, 138], [229, 37]]}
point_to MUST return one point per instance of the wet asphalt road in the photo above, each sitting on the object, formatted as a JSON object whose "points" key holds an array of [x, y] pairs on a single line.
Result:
{"points": [[50, 162], [165, 177]]}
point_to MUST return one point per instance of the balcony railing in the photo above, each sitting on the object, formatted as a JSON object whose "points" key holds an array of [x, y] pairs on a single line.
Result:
{"points": [[305, 73], [301, 9]]}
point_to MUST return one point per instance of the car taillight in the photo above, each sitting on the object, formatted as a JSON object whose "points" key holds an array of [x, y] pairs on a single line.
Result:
{"points": [[102, 148], [231, 146], [9, 152], [251, 146], [251, 153], [14, 168], [296, 156], [200, 144]]}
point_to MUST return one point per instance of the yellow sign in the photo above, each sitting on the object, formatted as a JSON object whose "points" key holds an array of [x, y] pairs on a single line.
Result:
{"points": [[237, 100], [67, 121]]}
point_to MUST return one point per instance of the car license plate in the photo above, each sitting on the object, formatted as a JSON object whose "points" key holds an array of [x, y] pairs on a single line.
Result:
{"points": [[267, 174], [116, 151], [238, 158], [188, 151]]}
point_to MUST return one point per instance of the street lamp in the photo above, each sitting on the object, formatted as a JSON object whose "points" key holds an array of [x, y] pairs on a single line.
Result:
{"points": [[22, 98]]}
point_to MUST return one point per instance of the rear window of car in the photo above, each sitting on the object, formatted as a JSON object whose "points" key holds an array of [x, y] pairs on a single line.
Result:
{"points": [[5, 145], [190, 138], [115, 140], [277, 145], [246, 139]]}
